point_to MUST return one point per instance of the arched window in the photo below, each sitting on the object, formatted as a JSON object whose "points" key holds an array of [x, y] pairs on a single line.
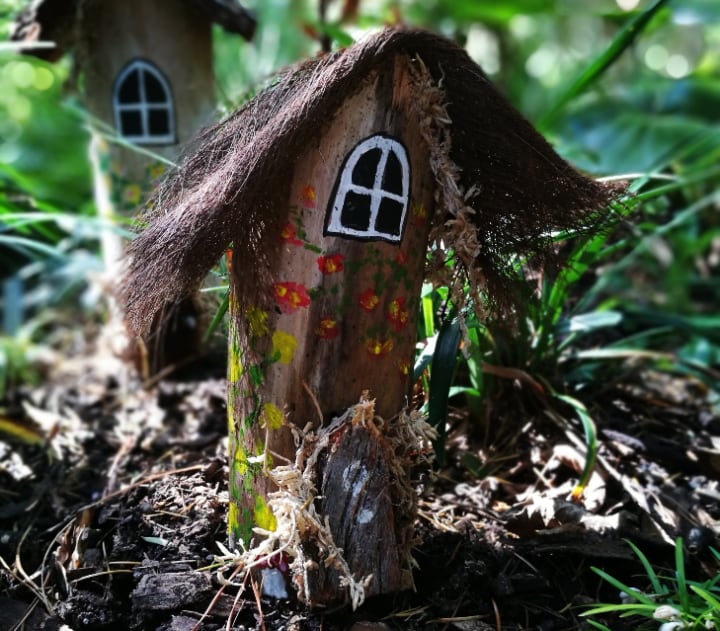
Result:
{"points": [[371, 191], [143, 105]]}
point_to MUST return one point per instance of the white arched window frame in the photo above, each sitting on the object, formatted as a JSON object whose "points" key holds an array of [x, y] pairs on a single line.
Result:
{"points": [[143, 105], [380, 201]]}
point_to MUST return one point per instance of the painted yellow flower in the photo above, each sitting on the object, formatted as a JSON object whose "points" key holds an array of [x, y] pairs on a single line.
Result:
{"points": [[240, 462], [285, 344], [157, 170], [272, 416], [132, 194], [257, 320]]}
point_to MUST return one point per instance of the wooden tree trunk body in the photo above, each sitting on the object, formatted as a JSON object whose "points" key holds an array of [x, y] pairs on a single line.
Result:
{"points": [[341, 321]]}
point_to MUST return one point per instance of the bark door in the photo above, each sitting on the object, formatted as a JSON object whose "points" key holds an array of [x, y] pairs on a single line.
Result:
{"points": [[342, 318]]}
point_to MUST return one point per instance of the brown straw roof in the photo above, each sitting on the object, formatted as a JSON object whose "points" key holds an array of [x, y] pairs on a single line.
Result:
{"points": [[235, 186]]}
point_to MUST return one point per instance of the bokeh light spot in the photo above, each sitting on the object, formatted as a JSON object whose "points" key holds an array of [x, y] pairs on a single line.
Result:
{"points": [[22, 74], [656, 57], [43, 80], [628, 5], [19, 108], [677, 66]]}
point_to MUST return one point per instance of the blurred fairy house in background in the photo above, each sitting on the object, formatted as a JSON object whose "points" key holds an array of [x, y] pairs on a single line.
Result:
{"points": [[144, 71], [143, 68]]}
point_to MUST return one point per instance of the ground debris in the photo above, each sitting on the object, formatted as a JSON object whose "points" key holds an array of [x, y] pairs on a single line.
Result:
{"points": [[116, 525]]}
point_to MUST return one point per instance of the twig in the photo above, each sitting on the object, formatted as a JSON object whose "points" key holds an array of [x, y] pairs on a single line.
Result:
{"points": [[498, 619], [256, 592], [28, 612]]}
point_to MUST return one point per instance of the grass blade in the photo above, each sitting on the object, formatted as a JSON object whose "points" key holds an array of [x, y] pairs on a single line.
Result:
{"points": [[707, 597], [218, 317], [627, 609], [651, 574], [620, 586], [23, 244], [591, 445], [683, 593], [622, 42]]}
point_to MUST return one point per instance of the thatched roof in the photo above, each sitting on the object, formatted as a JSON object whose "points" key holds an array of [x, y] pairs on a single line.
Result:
{"points": [[235, 185], [51, 20]]}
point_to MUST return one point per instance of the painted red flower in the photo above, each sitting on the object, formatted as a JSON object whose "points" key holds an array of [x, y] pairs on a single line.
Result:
{"points": [[228, 256], [330, 264], [402, 257], [369, 299], [328, 328], [289, 234], [397, 314], [378, 347], [291, 296], [308, 197], [405, 367]]}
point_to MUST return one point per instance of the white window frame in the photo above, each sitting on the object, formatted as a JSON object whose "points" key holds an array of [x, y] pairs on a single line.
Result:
{"points": [[345, 185], [139, 67]]}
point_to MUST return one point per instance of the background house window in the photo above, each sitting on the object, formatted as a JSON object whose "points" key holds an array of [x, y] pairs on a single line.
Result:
{"points": [[143, 105], [371, 192]]}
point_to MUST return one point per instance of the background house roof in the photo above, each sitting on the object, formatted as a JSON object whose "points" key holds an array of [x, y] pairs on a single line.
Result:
{"points": [[51, 20], [235, 185]]}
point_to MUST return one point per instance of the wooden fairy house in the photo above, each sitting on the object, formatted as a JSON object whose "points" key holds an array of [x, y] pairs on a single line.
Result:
{"points": [[330, 187], [145, 65]]}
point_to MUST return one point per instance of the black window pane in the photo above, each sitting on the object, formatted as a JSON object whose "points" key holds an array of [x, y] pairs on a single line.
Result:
{"points": [[388, 217], [130, 124], [154, 91], [366, 167], [392, 178], [356, 211], [130, 88], [158, 122]]}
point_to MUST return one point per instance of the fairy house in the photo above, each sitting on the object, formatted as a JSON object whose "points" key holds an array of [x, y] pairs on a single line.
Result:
{"points": [[330, 187], [146, 67], [146, 71]]}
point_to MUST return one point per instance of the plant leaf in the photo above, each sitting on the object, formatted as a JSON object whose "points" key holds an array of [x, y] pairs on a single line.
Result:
{"points": [[442, 370]]}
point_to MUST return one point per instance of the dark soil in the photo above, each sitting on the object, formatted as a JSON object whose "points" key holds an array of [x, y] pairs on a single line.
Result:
{"points": [[113, 498]]}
